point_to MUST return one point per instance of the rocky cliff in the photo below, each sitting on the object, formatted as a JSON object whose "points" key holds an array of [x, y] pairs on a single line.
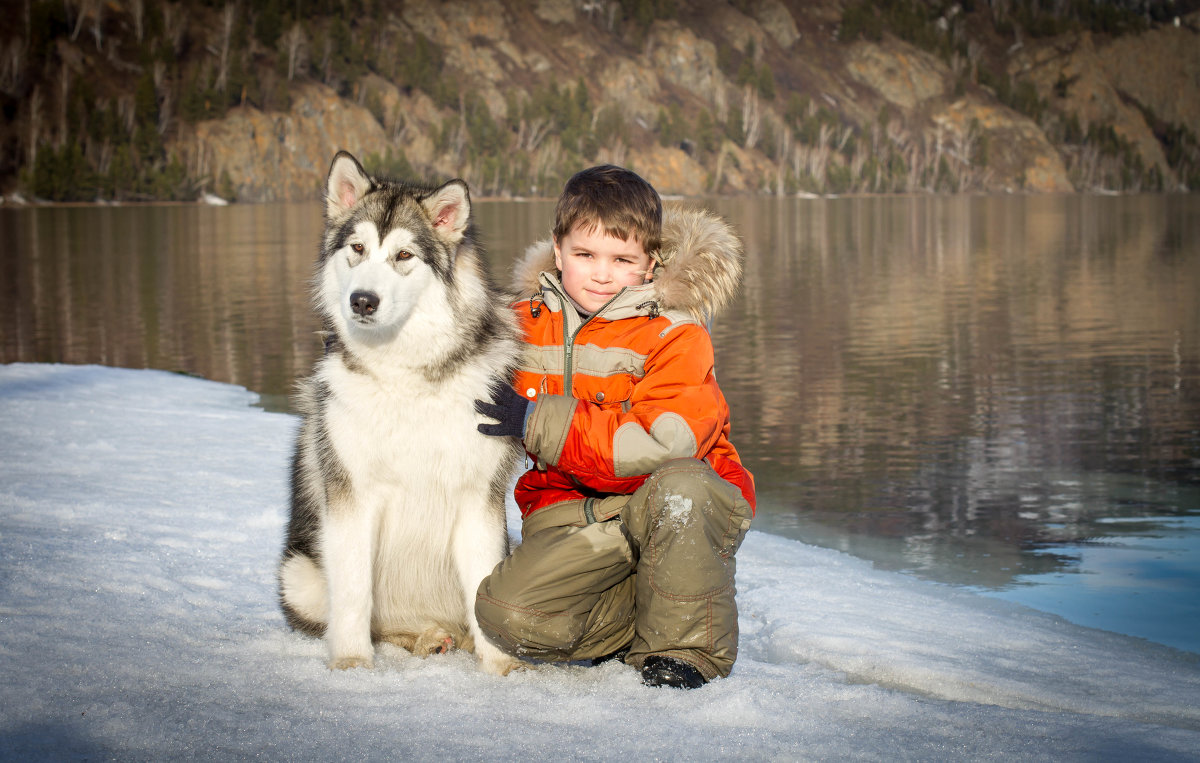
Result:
{"points": [[747, 96]]}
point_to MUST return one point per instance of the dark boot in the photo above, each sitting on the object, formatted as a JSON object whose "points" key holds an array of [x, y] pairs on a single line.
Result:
{"points": [[668, 671], [618, 655]]}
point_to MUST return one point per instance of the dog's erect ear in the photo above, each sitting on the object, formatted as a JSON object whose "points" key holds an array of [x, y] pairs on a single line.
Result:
{"points": [[449, 209], [347, 183]]}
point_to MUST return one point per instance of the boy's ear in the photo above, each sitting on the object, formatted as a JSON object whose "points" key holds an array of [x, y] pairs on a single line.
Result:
{"points": [[449, 209], [557, 254], [346, 184]]}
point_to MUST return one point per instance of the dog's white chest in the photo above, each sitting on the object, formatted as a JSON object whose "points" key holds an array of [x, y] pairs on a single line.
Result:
{"points": [[412, 435]]}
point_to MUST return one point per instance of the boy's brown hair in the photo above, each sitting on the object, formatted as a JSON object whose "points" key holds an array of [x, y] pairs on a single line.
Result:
{"points": [[614, 198]]}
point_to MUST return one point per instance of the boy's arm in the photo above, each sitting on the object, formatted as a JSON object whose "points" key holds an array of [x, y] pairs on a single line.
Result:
{"points": [[676, 411]]}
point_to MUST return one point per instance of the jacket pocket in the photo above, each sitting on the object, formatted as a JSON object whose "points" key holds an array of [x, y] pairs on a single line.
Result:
{"points": [[606, 391]]}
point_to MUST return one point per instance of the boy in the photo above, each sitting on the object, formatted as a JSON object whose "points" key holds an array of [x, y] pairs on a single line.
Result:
{"points": [[637, 501]]}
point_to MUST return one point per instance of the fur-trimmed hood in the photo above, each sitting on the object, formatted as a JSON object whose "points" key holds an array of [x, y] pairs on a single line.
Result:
{"points": [[698, 271]]}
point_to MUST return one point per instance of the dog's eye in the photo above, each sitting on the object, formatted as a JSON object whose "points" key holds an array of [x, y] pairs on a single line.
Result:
{"points": [[358, 248], [404, 255]]}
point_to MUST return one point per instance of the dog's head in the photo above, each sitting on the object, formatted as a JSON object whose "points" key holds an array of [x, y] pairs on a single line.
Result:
{"points": [[386, 242]]}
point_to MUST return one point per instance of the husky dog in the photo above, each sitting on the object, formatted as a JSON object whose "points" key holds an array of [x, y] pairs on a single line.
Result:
{"points": [[397, 500]]}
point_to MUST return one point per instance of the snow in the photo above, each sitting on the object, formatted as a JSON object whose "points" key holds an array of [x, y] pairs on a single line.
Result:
{"points": [[141, 515]]}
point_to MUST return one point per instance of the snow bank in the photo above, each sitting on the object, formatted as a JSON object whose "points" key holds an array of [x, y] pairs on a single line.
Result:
{"points": [[141, 514]]}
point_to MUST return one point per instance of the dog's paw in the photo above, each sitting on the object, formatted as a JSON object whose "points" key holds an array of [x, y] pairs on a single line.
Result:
{"points": [[433, 641], [346, 663], [502, 665]]}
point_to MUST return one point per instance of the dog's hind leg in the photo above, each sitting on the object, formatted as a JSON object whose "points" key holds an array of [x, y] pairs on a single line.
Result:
{"points": [[406, 641], [348, 551]]}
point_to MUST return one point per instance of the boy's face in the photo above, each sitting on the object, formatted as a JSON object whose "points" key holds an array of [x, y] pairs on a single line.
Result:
{"points": [[595, 266]]}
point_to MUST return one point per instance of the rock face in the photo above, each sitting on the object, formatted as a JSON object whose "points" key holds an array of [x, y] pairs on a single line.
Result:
{"points": [[906, 77], [1073, 75], [1161, 68], [1018, 152], [282, 157], [503, 50]]}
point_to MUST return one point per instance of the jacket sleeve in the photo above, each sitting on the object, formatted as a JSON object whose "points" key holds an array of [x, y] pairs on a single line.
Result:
{"points": [[675, 411]]}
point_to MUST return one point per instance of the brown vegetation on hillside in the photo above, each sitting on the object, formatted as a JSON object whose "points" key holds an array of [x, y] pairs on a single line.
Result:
{"points": [[137, 99]]}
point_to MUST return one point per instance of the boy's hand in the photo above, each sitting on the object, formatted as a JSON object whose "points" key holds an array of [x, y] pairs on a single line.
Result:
{"points": [[506, 407]]}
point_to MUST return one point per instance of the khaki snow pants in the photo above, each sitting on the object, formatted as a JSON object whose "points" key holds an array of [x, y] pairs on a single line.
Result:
{"points": [[652, 571]]}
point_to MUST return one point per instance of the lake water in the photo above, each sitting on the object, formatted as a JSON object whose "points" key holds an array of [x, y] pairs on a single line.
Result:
{"points": [[1000, 393]]}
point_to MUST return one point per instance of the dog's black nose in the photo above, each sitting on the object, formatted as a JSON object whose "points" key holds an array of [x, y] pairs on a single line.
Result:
{"points": [[364, 302]]}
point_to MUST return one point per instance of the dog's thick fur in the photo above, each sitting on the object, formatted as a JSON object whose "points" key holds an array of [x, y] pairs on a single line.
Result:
{"points": [[397, 500]]}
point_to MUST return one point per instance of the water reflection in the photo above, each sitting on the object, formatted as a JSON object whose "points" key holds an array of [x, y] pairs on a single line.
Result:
{"points": [[961, 387], [920, 368], [217, 292]]}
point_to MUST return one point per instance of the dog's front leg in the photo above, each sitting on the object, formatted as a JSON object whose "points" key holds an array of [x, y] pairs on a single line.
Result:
{"points": [[478, 547], [348, 548]]}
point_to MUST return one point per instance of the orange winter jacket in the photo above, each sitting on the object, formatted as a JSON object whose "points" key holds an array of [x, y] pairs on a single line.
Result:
{"points": [[631, 387]]}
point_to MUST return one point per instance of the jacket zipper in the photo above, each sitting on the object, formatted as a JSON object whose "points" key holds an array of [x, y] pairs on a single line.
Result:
{"points": [[569, 338]]}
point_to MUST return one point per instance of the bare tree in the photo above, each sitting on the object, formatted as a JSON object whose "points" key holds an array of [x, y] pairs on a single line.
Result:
{"points": [[228, 17], [592, 7], [785, 148], [64, 92], [400, 128], [614, 154], [1000, 9], [720, 103], [163, 90], [530, 134], [174, 25], [719, 172], [963, 147], [936, 160], [104, 155], [916, 165], [545, 158], [1087, 164], [296, 43], [137, 8], [818, 157], [974, 54], [326, 59], [98, 24], [12, 66], [751, 116], [857, 162], [80, 16], [126, 112], [958, 64], [35, 123]]}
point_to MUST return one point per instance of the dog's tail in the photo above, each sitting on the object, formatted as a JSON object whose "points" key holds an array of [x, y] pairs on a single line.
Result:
{"points": [[303, 594]]}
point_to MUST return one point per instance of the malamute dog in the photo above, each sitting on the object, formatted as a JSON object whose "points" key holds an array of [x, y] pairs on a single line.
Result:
{"points": [[397, 500]]}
